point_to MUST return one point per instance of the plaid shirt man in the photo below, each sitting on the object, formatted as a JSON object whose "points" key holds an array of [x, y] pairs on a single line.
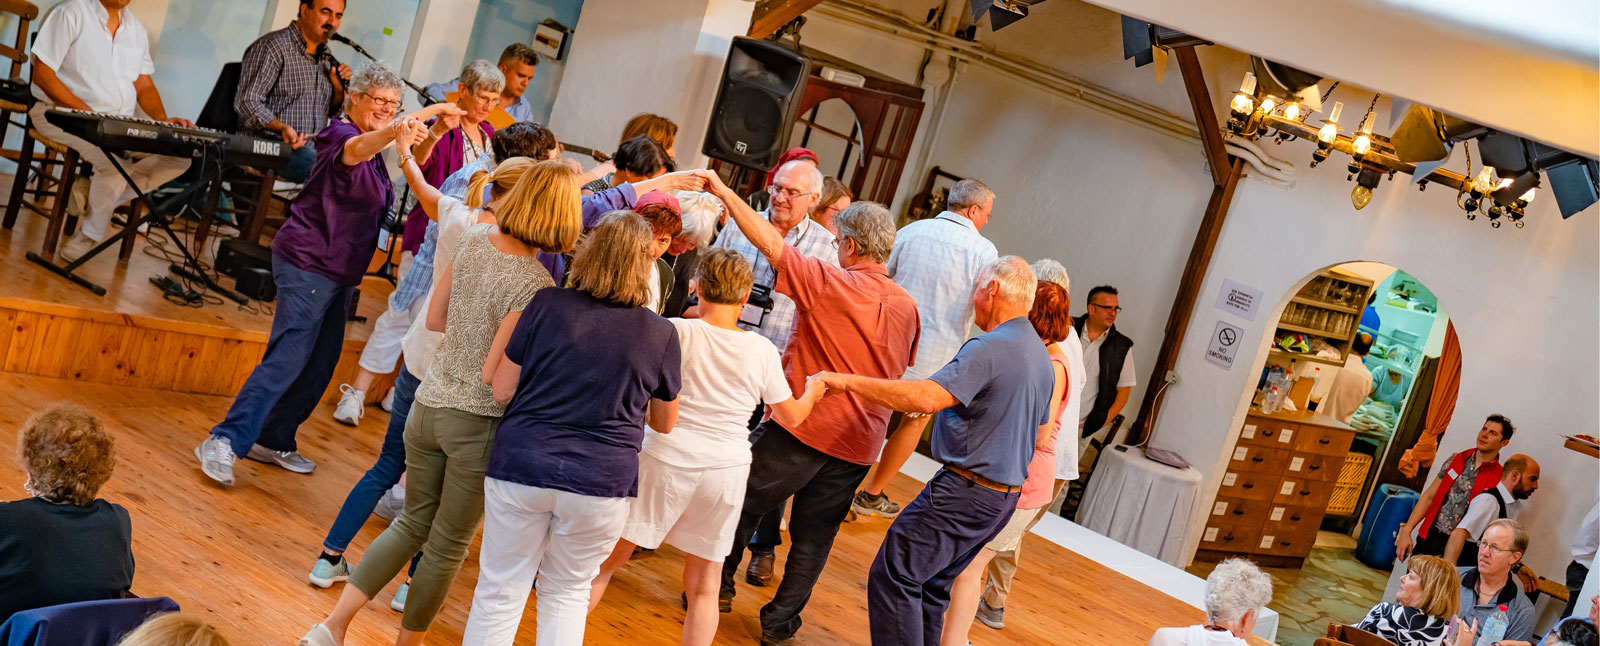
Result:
{"points": [[811, 239], [937, 260], [279, 80]]}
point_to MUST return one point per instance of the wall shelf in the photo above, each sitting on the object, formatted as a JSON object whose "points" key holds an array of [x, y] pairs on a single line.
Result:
{"points": [[1326, 305]]}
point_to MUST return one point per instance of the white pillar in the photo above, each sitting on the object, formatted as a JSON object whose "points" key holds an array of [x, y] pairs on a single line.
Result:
{"points": [[439, 40], [632, 56]]}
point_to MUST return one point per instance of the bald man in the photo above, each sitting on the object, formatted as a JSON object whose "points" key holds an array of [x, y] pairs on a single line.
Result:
{"points": [[1519, 479]]}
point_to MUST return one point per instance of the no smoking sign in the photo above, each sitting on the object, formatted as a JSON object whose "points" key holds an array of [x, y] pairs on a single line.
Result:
{"points": [[1224, 344]]}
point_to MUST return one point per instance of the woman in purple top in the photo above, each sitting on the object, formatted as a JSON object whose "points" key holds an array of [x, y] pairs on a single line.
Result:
{"points": [[455, 141], [318, 259], [565, 457]]}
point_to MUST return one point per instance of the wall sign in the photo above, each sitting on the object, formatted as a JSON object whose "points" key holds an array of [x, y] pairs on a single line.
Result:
{"points": [[1224, 344], [1239, 299]]}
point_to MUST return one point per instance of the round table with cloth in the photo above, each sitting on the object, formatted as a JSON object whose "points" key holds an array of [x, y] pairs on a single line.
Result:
{"points": [[1141, 503]]}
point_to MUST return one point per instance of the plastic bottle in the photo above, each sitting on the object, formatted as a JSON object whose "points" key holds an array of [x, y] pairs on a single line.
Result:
{"points": [[1493, 628]]}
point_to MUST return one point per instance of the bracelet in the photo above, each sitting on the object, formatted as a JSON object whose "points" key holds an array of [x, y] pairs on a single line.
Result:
{"points": [[403, 159]]}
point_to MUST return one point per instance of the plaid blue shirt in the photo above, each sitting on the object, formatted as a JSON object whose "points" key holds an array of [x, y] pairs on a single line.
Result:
{"points": [[809, 238], [419, 278], [937, 261], [279, 80]]}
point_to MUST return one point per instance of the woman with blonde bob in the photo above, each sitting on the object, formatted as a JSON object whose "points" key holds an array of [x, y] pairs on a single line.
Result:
{"points": [[1427, 602], [173, 629], [476, 304], [565, 459]]}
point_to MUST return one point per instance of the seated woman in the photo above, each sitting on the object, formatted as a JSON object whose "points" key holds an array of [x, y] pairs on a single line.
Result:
{"points": [[64, 545], [1235, 593], [173, 629], [1429, 596]]}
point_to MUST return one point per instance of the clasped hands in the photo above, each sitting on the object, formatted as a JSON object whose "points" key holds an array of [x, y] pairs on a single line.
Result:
{"points": [[410, 130]]}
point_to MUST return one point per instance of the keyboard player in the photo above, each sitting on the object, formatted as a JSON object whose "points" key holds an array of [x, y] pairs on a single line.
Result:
{"points": [[95, 55]]}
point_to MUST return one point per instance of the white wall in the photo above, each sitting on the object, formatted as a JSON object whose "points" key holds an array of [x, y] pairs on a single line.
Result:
{"points": [[632, 56], [1117, 203]]}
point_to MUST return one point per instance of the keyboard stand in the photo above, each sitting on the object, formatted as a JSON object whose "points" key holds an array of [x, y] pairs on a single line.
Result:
{"points": [[155, 215]]}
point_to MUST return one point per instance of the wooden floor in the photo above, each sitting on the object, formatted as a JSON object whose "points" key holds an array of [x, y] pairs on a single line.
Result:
{"points": [[240, 556]]}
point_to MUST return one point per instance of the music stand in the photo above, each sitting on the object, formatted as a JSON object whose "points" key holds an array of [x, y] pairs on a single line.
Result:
{"points": [[154, 215]]}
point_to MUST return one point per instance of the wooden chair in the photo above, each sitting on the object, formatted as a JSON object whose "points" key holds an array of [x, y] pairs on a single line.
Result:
{"points": [[25, 13], [1346, 634], [37, 170]]}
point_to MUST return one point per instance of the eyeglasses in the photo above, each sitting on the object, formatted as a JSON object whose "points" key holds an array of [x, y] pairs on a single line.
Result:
{"points": [[790, 193], [1491, 549], [382, 102], [1114, 309]]}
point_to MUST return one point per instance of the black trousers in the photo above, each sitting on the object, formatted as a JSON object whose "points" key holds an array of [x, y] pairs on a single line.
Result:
{"points": [[822, 487], [1576, 574]]}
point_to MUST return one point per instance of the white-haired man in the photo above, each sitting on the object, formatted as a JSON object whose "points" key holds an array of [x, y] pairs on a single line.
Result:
{"points": [[990, 403], [936, 260], [795, 188], [853, 319]]}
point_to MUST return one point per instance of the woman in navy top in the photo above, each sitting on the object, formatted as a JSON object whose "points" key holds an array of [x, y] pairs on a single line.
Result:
{"points": [[584, 369]]}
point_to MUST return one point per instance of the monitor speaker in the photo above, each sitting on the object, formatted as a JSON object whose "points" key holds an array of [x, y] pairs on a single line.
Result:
{"points": [[756, 103]]}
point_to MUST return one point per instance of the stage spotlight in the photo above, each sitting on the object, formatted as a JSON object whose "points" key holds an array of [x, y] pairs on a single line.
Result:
{"points": [[1140, 38], [1001, 12], [1425, 137]]}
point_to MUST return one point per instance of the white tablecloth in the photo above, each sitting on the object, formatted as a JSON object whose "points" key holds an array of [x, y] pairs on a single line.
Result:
{"points": [[1141, 503]]}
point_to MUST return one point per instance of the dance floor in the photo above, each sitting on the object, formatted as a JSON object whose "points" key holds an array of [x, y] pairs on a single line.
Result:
{"points": [[240, 556]]}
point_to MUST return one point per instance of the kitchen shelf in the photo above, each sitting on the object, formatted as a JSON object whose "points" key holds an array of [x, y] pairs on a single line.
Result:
{"points": [[1582, 447], [1296, 356], [1310, 330], [1327, 305]]}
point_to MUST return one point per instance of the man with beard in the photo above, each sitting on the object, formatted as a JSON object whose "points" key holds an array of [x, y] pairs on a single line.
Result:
{"points": [[1519, 479], [289, 82]]}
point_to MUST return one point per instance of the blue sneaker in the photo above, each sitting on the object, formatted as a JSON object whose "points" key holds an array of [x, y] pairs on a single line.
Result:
{"points": [[325, 574], [398, 604]]}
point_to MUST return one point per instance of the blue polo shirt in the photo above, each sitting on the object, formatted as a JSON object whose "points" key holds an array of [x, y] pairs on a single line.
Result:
{"points": [[1003, 382]]}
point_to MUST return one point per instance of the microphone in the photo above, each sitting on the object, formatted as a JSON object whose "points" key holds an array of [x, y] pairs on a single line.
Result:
{"points": [[336, 36]]}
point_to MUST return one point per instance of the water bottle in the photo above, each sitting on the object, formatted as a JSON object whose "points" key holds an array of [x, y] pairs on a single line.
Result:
{"points": [[1493, 628]]}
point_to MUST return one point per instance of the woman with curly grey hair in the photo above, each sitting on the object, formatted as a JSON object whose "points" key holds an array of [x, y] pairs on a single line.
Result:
{"points": [[1235, 594], [62, 544], [318, 259]]}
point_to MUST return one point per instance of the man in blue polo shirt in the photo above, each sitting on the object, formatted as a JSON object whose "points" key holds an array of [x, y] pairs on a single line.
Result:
{"points": [[990, 401]]}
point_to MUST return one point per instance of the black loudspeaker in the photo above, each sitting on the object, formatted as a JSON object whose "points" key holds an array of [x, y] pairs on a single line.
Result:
{"points": [[756, 103]]}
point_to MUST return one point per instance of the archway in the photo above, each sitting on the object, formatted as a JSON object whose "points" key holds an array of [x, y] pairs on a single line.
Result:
{"points": [[833, 132], [1355, 354]]}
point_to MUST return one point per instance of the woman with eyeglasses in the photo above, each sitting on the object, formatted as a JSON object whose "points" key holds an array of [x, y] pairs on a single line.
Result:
{"points": [[835, 198], [1426, 604], [318, 259]]}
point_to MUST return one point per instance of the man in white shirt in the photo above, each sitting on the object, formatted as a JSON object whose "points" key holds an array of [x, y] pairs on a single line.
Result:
{"points": [[95, 55], [1584, 546], [1519, 478], [937, 261], [1108, 360], [1351, 384]]}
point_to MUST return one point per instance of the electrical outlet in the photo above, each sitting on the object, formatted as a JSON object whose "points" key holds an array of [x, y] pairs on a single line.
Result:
{"points": [[1172, 377]]}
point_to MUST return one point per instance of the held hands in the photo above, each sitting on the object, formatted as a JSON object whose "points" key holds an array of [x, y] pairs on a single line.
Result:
{"points": [[828, 380], [407, 132]]}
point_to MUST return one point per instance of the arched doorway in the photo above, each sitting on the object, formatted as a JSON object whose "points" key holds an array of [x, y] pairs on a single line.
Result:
{"points": [[1355, 352]]}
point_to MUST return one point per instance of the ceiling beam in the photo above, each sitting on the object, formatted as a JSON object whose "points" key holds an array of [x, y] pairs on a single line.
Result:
{"points": [[772, 15]]}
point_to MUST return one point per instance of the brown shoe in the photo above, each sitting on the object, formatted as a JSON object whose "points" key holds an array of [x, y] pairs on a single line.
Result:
{"points": [[760, 571]]}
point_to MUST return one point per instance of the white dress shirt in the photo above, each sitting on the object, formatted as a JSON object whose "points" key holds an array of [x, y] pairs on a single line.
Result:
{"points": [[1067, 437], [1483, 510], [1587, 541], [937, 261], [1091, 366], [99, 69]]}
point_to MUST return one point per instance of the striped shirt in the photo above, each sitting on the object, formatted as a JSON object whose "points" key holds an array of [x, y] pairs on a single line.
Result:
{"points": [[937, 260], [810, 239], [281, 81]]}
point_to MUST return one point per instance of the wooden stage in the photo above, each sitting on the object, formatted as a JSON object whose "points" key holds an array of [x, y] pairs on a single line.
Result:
{"points": [[161, 374]]}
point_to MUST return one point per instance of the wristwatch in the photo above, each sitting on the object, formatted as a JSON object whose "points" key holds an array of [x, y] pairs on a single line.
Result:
{"points": [[404, 157]]}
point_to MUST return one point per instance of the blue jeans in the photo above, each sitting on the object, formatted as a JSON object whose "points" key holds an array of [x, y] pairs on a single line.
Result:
{"points": [[302, 351], [383, 474], [932, 541], [300, 162]]}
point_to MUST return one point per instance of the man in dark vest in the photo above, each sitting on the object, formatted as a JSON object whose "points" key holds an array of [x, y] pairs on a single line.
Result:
{"points": [[1519, 478], [1107, 359]]}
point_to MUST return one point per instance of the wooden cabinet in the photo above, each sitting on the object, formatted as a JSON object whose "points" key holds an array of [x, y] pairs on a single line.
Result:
{"points": [[1276, 488]]}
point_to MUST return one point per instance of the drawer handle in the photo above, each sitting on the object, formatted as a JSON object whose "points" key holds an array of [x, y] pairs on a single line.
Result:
{"points": [[1248, 485], [1322, 441], [1258, 459], [1239, 512], [1266, 433], [1314, 467], [1305, 493], [1295, 518], [1284, 543], [1229, 537]]}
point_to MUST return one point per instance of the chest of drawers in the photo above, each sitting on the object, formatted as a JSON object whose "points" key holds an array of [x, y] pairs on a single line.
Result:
{"points": [[1276, 488]]}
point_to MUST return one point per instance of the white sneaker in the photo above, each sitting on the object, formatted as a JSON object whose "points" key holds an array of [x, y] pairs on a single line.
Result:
{"points": [[391, 504], [75, 247], [388, 402], [351, 405], [319, 635]]}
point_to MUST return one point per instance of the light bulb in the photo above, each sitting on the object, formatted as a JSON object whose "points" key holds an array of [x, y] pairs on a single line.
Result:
{"points": [[1503, 184], [1484, 181], [1292, 112], [1328, 133], [1362, 145], [1268, 105], [1242, 104], [1360, 197], [1527, 198], [1248, 85]]}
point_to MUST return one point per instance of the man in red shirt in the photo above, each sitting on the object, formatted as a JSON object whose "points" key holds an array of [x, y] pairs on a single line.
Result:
{"points": [[854, 320], [1444, 502]]}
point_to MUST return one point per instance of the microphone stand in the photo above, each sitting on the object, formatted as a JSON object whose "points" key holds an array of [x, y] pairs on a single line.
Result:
{"points": [[421, 93]]}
